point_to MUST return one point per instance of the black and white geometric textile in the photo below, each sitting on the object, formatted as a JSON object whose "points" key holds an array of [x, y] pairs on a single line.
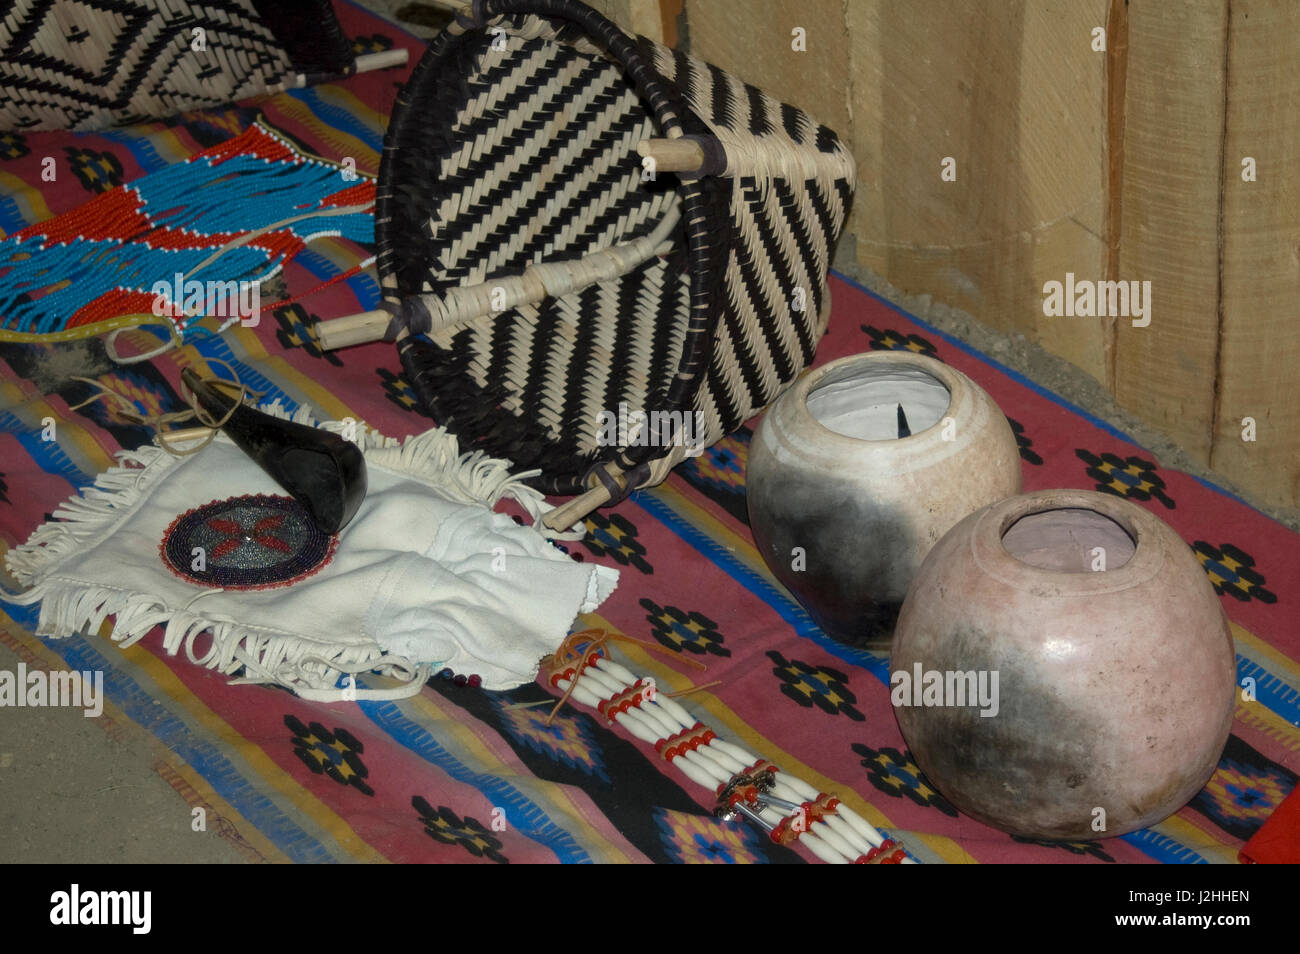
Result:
{"points": [[514, 147], [87, 64]]}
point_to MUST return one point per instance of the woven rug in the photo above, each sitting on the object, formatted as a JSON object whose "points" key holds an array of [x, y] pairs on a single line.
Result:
{"points": [[456, 774]]}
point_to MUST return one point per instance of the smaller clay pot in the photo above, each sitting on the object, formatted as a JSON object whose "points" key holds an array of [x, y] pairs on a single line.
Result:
{"points": [[842, 509], [1114, 663]]}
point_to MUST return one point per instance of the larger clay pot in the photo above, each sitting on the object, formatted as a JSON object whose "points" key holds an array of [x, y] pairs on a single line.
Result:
{"points": [[1114, 662], [842, 509]]}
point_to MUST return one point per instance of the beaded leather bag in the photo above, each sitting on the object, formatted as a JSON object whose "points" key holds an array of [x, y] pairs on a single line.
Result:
{"points": [[549, 291]]}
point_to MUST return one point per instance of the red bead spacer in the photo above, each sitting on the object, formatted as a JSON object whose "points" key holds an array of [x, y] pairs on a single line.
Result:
{"points": [[567, 674], [884, 849], [621, 701], [659, 746], [688, 740], [785, 832]]}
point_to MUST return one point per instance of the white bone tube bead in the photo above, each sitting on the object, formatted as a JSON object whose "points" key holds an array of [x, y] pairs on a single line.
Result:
{"points": [[781, 790], [618, 671], [600, 683], [823, 849], [580, 692], [609, 675], [668, 717], [704, 753], [637, 717], [675, 708], [642, 733], [806, 792], [860, 824], [722, 758], [658, 718], [736, 752], [860, 842], [711, 769], [828, 834], [695, 773]]}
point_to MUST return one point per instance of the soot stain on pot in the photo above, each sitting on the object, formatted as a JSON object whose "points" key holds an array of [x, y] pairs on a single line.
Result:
{"points": [[844, 551], [965, 755]]}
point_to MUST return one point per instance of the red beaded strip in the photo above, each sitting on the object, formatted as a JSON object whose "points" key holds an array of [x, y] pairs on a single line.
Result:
{"points": [[825, 805], [888, 852], [567, 675], [688, 740], [629, 698], [762, 765], [792, 826]]}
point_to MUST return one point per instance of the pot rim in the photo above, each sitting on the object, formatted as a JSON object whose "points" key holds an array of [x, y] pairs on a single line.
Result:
{"points": [[959, 396], [1145, 528]]}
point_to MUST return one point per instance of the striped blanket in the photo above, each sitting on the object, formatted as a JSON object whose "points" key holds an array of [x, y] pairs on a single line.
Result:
{"points": [[456, 774]]}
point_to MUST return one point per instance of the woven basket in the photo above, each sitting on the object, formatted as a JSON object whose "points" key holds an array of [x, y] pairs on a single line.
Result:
{"points": [[511, 167], [87, 65]]}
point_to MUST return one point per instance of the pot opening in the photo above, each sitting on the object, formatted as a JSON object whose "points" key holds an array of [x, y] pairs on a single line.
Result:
{"points": [[863, 401], [1069, 540]]}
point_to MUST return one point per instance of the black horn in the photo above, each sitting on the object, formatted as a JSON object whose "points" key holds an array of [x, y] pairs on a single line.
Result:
{"points": [[320, 470]]}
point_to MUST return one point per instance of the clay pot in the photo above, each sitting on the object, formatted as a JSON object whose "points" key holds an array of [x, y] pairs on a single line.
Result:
{"points": [[842, 509], [1115, 686]]}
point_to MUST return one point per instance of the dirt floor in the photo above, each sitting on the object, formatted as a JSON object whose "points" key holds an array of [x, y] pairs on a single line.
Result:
{"points": [[72, 793]]}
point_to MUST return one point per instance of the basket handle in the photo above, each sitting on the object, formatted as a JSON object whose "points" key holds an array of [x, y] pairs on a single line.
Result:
{"points": [[455, 306]]}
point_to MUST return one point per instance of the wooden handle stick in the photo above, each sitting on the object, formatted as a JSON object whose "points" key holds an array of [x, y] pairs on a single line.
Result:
{"points": [[565, 516], [383, 60], [672, 155], [352, 330]]}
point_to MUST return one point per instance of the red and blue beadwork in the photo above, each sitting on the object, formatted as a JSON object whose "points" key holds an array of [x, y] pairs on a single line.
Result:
{"points": [[253, 542]]}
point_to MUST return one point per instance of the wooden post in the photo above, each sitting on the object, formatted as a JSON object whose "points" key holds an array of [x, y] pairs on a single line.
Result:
{"points": [[1258, 348]]}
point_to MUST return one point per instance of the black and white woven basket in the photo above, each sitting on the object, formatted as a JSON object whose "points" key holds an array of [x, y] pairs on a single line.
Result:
{"points": [[539, 275], [85, 66]]}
